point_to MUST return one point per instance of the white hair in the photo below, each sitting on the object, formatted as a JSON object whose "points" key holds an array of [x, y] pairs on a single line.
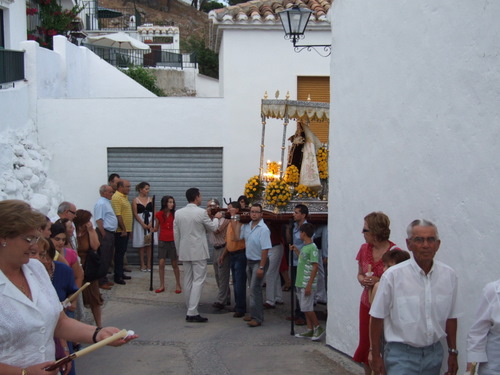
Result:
{"points": [[420, 223]]}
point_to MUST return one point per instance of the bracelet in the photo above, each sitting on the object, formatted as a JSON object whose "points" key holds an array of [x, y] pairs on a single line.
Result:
{"points": [[94, 336], [66, 349], [452, 351]]}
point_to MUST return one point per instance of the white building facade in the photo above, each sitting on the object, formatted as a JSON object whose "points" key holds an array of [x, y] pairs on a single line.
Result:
{"points": [[414, 133]]}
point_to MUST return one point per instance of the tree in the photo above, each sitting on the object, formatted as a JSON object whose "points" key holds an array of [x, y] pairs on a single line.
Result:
{"points": [[234, 2], [207, 6], [208, 60]]}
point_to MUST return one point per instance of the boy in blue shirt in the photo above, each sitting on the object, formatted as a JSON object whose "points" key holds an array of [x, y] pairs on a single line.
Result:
{"points": [[305, 283]]}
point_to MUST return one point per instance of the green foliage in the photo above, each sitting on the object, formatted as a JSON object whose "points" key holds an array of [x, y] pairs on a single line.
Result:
{"points": [[145, 78], [207, 6], [208, 60], [234, 2], [54, 21]]}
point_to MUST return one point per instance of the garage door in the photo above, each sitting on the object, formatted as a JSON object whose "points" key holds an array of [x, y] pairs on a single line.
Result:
{"points": [[170, 171]]}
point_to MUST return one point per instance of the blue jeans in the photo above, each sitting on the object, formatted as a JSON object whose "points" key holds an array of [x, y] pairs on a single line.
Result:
{"points": [[239, 271], [408, 360], [121, 243], [256, 298]]}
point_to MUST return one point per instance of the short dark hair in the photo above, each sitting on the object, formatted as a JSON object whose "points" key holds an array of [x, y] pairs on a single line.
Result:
{"points": [[308, 229], [112, 176], [303, 209], [396, 256], [192, 194], [257, 205], [235, 204]]}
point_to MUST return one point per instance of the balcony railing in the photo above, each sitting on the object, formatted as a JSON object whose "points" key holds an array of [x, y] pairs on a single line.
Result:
{"points": [[155, 58], [11, 66], [96, 17]]}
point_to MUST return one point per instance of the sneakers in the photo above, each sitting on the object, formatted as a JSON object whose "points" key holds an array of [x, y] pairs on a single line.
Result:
{"points": [[318, 333], [305, 335]]}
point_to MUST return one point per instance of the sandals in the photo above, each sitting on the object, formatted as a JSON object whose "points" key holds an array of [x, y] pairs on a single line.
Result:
{"points": [[160, 290], [178, 291]]}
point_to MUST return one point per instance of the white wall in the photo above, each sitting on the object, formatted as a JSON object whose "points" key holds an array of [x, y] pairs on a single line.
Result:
{"points": [[79, 131], [75, 72], [206, 87], [15, 106], [414, 133]]}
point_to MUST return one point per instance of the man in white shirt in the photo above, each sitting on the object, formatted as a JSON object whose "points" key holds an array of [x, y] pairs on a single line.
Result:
{"points": [[415, 307]]}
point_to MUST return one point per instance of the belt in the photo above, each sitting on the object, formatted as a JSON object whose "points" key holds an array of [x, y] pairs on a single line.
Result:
{"points": [[219, 246], [236, 252]]}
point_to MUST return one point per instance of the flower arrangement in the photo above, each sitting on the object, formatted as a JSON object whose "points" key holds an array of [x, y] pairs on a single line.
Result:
{"points": [[273, 168], [253, 188], [292, 175], [302, 191], [278, 193], [322, 157]]}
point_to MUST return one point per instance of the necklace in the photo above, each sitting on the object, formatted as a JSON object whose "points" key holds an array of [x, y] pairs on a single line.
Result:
{"points": [[24, 287]]}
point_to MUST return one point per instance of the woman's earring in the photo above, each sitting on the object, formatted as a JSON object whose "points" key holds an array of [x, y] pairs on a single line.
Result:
{"points": [[4, 244]]}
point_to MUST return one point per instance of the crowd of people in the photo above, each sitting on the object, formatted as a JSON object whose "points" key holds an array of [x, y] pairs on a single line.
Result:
{"points": [[407, 307], [34, 325]]}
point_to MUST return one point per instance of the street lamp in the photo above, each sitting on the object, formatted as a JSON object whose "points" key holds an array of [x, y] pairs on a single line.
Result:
{"points": [[294, 21]]}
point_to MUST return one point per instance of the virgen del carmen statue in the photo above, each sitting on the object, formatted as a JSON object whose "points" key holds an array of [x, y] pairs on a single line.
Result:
{"points": [[305, 178]]}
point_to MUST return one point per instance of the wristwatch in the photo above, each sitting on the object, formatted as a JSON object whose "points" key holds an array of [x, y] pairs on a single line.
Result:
{"points": [[261, 268], [452, 351]]}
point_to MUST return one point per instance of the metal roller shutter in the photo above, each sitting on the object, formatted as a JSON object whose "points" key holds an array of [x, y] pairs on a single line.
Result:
{"points": [[318, 88], [169, 171]]}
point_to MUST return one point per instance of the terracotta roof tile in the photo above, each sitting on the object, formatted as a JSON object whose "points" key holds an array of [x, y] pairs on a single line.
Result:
{"points": [[266, 10]]}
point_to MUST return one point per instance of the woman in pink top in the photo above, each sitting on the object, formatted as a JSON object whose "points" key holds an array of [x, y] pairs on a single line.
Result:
{"points": [[370, 268], [166, 244], [58, 238]]}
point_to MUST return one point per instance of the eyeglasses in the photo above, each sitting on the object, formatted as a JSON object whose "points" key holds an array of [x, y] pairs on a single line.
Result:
{"points": [[73, 212], [255, 212], [365, 230], [31, 239], [421, 240]]}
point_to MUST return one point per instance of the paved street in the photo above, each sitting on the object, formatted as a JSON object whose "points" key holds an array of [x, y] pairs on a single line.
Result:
{"points": [[225, 345]]}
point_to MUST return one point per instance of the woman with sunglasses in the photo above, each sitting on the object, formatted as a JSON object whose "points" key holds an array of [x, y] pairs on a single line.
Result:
{"points": [[376, 233], [31, 314]]}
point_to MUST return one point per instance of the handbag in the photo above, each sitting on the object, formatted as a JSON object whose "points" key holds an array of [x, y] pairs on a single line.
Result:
{"points": [[93, 268], [147, 239]]}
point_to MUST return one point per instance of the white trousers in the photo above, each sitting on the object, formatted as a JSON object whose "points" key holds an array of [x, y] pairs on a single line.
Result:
{"points": [[273, 282], [195, 273]]}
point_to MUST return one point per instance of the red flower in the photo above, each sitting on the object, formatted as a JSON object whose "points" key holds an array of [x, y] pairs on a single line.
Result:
{"points": [[51, 32], [31, 37], [31, 11]]}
